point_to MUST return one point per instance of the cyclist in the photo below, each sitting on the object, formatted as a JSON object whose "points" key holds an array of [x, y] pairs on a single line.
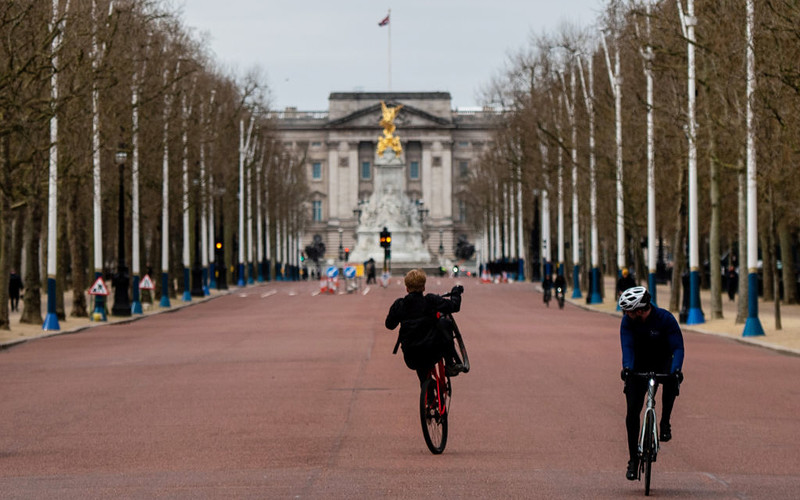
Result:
{"points": [[560, 285], [424, 338], [651, 342], [625, 281], [547, 286]]}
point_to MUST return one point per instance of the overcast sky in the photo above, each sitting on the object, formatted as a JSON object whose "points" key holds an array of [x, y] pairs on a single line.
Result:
{"points": [[310, 48]]}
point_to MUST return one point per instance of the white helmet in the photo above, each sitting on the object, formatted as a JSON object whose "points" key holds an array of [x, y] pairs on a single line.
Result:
{"points": [[634, 298]]}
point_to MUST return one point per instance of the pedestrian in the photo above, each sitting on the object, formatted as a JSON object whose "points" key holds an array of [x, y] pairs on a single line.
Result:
{"points": [[14, 287], [732, 278], [369, 266], [625, 281], [651, 342]]}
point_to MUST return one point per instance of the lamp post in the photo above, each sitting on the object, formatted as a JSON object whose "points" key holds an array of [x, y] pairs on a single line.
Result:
{"points": [[422, 212], [341, 248], [197, 265], [122, 303]]}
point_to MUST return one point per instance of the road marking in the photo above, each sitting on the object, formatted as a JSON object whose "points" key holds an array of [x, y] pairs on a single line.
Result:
{"points": [[242, 295], [271, 292], [366, 291]]}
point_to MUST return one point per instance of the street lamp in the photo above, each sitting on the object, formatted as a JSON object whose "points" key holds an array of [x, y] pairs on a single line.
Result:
{"points": [[422, 212], [441, 245], [197, 266], [122, 303], [341, 248]]}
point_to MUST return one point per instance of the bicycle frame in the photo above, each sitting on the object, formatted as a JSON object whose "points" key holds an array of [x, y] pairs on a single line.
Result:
{"points": [[652, 389], [438, 374]]}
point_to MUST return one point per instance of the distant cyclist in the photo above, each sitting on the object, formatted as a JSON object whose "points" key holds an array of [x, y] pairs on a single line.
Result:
{"points": [[651, 342], [560, 286], [547, 287], [424, 338]]}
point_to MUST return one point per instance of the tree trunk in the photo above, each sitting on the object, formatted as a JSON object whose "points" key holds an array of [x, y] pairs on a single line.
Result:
{"points": [[715, 269], [679, 260], [787, 258], [772, 270], [6, 222], [32, 307], [741, 313], [61, 266], [79, 255], [766, 264]]}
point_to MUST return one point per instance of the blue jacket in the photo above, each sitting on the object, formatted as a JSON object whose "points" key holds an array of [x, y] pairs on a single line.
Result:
{"points": [[653, 345]]}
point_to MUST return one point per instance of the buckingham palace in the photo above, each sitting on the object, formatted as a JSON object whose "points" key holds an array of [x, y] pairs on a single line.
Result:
{"points": [[439, 147]]}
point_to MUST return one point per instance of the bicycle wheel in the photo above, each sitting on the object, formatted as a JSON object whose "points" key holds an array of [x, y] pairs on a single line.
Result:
{"points": [[434, 422], [561, 302], [647, 452], [462, 350]]}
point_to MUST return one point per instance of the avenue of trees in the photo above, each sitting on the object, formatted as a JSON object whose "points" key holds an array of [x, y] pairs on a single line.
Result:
{"points": [[127, 75], [560, 77]]}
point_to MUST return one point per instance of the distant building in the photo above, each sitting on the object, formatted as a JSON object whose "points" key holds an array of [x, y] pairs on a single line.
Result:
{"points": [[440, 148]]}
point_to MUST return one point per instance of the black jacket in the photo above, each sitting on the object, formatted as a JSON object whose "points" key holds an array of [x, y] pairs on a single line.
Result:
{"points": [[416, 315]]}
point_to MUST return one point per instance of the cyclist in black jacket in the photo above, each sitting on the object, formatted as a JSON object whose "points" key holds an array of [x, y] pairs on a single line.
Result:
{"points": [[424, 338], [651, 342]]}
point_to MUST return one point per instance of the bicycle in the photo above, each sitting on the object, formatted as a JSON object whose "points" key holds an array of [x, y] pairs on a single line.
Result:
{"points": [[648, 438], [546, 298], [560, 297], [434, 400]]}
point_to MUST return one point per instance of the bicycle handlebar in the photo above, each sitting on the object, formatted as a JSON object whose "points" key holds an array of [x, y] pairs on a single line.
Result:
{"points": [[660, 377]]}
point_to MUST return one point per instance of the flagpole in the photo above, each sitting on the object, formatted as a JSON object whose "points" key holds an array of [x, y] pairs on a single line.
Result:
{"points": [[389, 59]]}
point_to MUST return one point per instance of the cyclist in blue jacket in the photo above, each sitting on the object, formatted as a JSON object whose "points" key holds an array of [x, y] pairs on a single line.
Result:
{"points": [[651, 342]]}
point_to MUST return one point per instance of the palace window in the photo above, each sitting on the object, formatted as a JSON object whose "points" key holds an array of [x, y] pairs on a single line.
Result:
{"points": [[316, 170], [366, 171], [413, 170], [316, 210], [463, 169]]}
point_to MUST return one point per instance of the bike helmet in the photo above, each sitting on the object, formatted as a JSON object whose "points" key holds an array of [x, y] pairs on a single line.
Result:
{"points": [[634, 298]]}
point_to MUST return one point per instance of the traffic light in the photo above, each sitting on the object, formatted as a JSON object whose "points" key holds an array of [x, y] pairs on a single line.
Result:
{"points": [[346, 254], [386, 238]]}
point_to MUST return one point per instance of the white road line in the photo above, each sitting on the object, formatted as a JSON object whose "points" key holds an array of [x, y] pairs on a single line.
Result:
{"points": [[271, 292], [366, 291]]}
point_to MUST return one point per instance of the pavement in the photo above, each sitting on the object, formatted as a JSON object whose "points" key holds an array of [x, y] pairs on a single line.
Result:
{"points": [[24, 332], [786, 339]]}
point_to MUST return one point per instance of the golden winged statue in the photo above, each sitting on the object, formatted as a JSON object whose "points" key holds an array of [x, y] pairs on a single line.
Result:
{"points": [[387, 122]]}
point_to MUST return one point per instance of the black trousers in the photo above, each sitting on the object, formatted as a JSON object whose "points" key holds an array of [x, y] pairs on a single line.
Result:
{"points": [[423, 359], [635, 392]]}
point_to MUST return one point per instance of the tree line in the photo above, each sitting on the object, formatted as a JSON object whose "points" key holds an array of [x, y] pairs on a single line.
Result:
{"points": [[129, 76], [564, 81]]}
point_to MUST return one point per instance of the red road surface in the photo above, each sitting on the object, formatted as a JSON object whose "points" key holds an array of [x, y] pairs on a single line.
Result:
{"points": [[290, 395]]}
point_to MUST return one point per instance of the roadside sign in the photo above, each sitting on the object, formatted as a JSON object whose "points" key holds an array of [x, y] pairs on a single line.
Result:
{"points": [[360, 270], [146, 283], [349, 272], [99, 287], [332, 272]]}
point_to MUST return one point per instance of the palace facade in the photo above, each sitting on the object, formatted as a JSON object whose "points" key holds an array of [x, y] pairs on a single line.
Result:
{"points": [[440, 147]]}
